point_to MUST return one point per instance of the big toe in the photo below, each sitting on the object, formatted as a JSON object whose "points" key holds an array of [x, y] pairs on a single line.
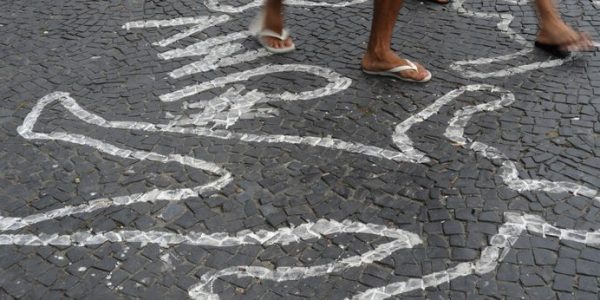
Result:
{"points": [[420, 74], [277, 43]]}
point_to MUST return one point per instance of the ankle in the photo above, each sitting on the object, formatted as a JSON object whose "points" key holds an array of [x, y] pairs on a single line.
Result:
{"points": [[273, 20], [379, 55]]}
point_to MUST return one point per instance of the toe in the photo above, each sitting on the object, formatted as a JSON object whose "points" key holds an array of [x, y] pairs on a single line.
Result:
{"points": [[420, 74]]}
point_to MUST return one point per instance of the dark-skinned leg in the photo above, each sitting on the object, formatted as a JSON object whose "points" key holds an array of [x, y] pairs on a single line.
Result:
{"points": [[554, 31], [273, 20], [379, 55]]}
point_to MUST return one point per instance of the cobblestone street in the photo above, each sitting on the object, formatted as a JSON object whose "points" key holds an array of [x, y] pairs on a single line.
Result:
{"points": [[153, 149]]}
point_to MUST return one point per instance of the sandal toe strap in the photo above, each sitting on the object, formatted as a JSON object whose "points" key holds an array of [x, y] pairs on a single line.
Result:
{"points": [[283, 36], [410, 66]]}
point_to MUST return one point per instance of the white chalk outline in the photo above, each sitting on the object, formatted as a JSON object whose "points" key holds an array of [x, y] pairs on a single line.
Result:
{"points": [[454, 132], [501, 242], [489, 258], [26, 130]]}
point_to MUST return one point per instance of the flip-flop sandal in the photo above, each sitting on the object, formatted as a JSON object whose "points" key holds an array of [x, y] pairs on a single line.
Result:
{"points": [[440, 2], [393, 72], [554, 50], [256, 27], [564, 50], [282, 37]]}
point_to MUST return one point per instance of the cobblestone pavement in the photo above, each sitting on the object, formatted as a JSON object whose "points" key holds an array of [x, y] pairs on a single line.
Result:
{"points": [[152, 149]]}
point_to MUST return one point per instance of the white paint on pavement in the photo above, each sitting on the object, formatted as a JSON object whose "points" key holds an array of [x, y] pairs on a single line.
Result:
{"points": [[401, 240], [168, 23], [499, 246], [504, 26], [404, 143], [336, 83], [210, 21], [203, 47], [456, 126], [455, 133], [226, 109], [26, 130], [535, 224], [219, 56]]}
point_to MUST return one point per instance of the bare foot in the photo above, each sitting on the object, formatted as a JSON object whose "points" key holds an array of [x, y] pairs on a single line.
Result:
{"points": [[556, 32], [274, 22], [389, 60]]}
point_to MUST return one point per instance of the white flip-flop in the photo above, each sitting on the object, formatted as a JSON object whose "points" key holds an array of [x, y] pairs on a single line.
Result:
{"points": [[282, 37], [393, 72], [256, 27]]}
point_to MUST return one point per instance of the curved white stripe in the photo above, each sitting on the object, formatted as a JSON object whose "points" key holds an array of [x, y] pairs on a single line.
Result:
{"points": [[26, 130], [504, 26], [402, 239]]}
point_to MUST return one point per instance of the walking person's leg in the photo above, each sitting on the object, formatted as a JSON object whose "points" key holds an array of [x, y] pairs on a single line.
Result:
{"points": [[379, 58], [271, 32]]}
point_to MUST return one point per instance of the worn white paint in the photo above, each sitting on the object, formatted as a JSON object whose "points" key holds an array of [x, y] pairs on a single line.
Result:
{"points": [[200, 23], [26, 130], [504, 20], [499, 246], [203, 47], [283, 236], [460, 66], [455, 133], [401, 240], [456, 126], [210, 21], [404, 143], [535, 224], [219, 56], [217, 52], [335, 83]]}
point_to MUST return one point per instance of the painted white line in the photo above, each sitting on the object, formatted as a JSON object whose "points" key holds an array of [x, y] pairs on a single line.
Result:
{"points": [[535, 224], [217, 51], [336, 82], [515, 223], [26, 131], [456, 126], [459, 66], [216, 5], [167, 23], [500, 245], [284, 236], [219, 56], [402, 239], [211, 21], [404, 143], [203, 47], [455, 132], [504, 26], [201, 23]]}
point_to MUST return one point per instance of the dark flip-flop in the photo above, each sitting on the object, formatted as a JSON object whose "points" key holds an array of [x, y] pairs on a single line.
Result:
{"points": [[442, 2], [565, 50], [555, 50]]}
